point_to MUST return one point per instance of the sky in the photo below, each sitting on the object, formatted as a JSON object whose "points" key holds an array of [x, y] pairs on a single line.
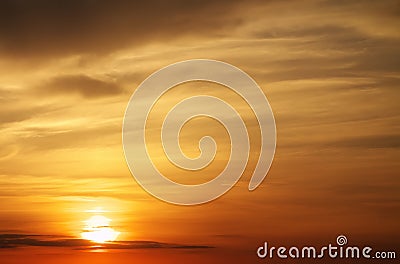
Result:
{"points": [[329, 69]]}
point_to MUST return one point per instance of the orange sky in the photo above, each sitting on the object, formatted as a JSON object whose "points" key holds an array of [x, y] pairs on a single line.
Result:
{"points": [[329, 69]]}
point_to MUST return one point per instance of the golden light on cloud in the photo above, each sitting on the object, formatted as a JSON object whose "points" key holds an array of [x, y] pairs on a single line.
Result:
{"points": [[98, 230]]}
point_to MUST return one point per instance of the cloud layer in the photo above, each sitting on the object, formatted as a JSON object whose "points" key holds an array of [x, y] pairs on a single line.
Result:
{"points": [[46, 28], [23, 240]]}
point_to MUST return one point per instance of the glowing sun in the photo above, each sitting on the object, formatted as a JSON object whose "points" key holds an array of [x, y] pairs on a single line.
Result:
{"points": [[97, 229]]}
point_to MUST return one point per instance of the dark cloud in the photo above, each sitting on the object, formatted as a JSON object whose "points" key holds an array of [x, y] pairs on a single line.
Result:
{"points": [[80, 84], [48, 27], [149, 244], [21, 240]]}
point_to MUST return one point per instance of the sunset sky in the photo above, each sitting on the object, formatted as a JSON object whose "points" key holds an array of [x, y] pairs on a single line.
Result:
{"points": [[331, 73]]}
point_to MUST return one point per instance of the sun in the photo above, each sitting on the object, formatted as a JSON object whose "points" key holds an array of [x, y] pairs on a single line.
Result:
{"points": [[97, 229]]}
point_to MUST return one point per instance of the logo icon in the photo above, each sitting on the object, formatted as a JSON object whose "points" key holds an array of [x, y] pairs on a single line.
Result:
{"points": [[341, 240], [153, 88]]}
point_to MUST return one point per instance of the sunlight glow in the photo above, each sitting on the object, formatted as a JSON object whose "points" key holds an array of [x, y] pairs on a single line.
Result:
{"points": [[96, 210], [98, 230]]}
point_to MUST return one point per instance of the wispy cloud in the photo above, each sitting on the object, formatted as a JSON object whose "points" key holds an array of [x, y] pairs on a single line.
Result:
{"points": [[79, 84]]}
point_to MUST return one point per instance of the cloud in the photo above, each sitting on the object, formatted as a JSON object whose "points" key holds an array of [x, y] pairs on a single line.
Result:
{"points": [[372, 142], [17, 113], [68, 27], [80, 84], [47, 138], [21, 240], [14, 107]]}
